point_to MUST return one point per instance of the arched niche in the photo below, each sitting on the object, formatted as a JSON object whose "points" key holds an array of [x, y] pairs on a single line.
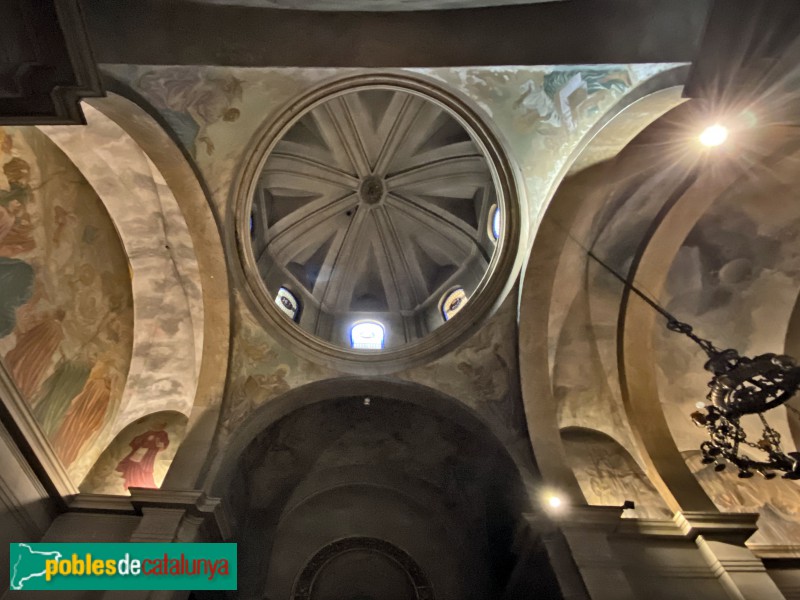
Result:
{"points": [[180, 302], [345, 459], [550, 287], [139, 456], [608, 474]]}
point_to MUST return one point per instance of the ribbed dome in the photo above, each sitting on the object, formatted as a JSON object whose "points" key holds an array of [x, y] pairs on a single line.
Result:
{"points": [[373, 205]]}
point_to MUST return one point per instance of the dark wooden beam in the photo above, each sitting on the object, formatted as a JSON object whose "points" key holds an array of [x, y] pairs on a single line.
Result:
{"points": [[46, 65], [748, 47], [569, 32]]}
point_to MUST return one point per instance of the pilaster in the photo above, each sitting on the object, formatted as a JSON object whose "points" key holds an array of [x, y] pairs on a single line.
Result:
{"points": [[583, 532], [721, 539]]}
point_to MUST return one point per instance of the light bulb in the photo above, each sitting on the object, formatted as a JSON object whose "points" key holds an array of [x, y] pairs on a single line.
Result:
{"points": [[714, 135]]}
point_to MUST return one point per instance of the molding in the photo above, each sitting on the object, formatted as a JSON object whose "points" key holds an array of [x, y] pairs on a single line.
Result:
{"points": [[739, 526], [101, 503], [22, 511], [765, 552], [605, 518], [648, 528], [195, 503], [303, 587]]}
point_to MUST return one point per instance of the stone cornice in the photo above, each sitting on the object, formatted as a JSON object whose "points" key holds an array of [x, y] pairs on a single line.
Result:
{"points": [[739, 526]]}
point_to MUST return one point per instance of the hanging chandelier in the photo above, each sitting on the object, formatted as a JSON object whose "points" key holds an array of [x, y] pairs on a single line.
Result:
{"points": [[739, 386]]}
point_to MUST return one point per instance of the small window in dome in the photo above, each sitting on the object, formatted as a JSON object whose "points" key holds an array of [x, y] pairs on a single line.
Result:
{"points": [[367, 335], [495, 222], [453, 302], [287, 302]]}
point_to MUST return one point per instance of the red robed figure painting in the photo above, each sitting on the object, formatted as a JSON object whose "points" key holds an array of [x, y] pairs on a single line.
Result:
{"points": [[137, 466]]}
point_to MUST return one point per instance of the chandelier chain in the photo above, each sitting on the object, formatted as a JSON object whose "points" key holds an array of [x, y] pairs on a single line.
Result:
{"points": [[740, 385]]}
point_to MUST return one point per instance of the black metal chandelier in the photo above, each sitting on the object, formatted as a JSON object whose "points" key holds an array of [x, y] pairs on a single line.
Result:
{"points": [[739, 386]]}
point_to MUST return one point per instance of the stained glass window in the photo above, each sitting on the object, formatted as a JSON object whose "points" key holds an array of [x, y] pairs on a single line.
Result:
{"points": [[453, 302], [496, 223], [367, 335], [287, 302]]}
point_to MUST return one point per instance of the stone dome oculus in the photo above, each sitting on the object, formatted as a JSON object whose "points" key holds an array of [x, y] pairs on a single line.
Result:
{"points": [[370, 206]]}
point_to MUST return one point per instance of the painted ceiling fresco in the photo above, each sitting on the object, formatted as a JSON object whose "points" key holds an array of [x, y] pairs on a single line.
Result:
{"points": [[65, 295], [542, 113], [139, 456], [608, 475], [736, 279], [167, 309]]}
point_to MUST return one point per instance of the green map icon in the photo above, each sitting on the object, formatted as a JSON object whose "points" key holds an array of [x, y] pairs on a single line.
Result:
{"points": [[30, 564]]}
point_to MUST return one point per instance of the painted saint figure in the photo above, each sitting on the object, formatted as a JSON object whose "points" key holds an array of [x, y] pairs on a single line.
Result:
{"points": [[192, 101], [57, 392], [137, 466], [38, 339], [86, 414]]}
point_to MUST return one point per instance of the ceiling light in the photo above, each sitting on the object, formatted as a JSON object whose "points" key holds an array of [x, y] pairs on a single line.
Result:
{"points": [[715, 135], [554, 502]]}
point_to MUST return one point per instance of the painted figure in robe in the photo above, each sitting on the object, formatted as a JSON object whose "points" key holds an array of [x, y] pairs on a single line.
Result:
{"points": [[137, 467], [86, 414], [191, 101]]}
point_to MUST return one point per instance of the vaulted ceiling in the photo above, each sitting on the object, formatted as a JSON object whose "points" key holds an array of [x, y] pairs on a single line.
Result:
{"points": [[374, 203]]}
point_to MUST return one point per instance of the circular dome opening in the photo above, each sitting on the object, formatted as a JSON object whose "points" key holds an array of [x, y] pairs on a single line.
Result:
{"points": [[372, 203]]}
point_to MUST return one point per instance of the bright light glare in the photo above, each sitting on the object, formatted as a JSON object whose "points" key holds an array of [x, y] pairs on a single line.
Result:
{"points": [[367, 335], [715, 135], [554, 502]]}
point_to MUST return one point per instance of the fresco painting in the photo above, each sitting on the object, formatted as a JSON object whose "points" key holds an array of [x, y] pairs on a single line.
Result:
{"points": [[777, 501], [214, 112], [739, 265], [541, 112], [65, 294], [262, 369], [139, 456], [608, 475], [482, 372], [166, 346], [583, 383], [191, 101]]}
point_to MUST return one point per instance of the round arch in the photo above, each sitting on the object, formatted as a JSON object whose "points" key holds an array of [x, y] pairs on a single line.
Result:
{"points": [[637, 321], [271, 412], [548, 278], [410, 465], [189, 261]]}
